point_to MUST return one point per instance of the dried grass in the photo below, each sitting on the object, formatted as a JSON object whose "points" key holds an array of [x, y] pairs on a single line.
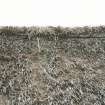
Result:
{"points": [[52, 66]]}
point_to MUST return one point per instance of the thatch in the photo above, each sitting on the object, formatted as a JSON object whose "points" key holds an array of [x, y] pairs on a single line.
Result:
{"points": [[52, 66]]}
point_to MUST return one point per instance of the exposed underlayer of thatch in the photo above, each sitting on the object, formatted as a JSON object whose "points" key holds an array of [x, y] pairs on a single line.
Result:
{"points": [[52, 66]]}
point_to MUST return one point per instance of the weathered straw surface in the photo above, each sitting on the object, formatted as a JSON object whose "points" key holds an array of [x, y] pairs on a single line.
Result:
{"points": [[52, 66]]}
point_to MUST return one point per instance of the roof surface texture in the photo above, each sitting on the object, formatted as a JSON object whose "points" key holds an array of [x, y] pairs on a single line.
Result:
{"points": [[52, 66]]}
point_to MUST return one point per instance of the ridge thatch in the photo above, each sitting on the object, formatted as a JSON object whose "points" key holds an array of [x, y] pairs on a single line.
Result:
{"points": [[51, 32]]}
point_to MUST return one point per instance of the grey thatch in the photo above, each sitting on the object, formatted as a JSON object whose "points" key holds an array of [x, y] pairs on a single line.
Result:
{"points": [[52, 66]]}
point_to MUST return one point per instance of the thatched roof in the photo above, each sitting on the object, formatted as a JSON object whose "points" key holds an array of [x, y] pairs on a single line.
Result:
{"points": [[52, 65]]}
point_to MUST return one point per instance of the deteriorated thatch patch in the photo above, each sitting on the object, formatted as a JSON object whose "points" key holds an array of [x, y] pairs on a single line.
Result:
{"points": [[52, 66]]}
